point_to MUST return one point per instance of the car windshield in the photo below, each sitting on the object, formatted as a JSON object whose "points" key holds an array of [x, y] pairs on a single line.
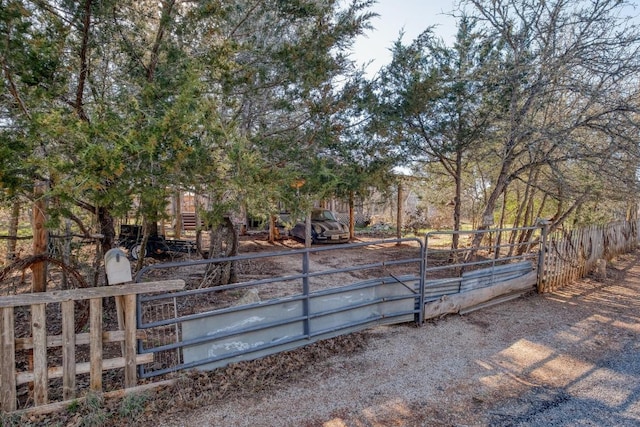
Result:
{"points": [[323, 215]]}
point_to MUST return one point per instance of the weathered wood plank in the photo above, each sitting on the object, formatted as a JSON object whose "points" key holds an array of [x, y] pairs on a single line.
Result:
{"points": [[39, 332], [130, 375], [91, 293], [68, 350], [83, 368], [95, 347], [7, 361], [120, 315], [81, 339], [57, 406]]}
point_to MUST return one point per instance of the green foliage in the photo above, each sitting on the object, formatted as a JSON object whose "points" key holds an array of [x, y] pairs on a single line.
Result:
{"points": [[132, 406], [168, 113], [74, 406], [94, 410], [238, 100], [513, 101], [10, 420]]}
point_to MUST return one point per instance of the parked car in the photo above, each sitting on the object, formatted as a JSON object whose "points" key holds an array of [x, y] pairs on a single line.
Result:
{"points": [[325, 228], [157, 246]]}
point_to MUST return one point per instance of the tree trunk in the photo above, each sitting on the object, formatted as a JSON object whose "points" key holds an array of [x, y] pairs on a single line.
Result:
{"points": [[40, 237], [14, 222], [487, 214], [143, 244], [273, 229], [177, 213], [503, 214], [399, 212], [107, 229], [352, 220], [457, 202], [224, 243]]}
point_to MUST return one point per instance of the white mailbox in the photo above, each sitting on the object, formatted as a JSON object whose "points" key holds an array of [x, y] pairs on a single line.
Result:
{"points": [[117, 266]]}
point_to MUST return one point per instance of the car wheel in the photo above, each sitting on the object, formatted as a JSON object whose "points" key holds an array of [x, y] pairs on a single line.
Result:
{"points": [[136, 251]]}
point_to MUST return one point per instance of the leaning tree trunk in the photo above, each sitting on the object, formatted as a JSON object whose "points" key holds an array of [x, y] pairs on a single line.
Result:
{"points": [[107, 241], [274, 234], [14, 221], [399, 206], [40, 238], [352, 219], [107, 229], [223, 243]]}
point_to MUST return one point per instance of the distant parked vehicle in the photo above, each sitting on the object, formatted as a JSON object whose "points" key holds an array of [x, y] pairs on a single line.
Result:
{"points": [[325, 228], [157, 246]]}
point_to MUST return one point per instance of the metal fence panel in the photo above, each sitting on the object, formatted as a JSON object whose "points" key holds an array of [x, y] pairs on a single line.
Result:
{"points": [[258, 330], [218, 337], [485, 277], [207, 340], [498, 255]]}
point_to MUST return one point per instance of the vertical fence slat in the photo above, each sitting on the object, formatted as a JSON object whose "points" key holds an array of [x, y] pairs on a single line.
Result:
{"points": [[130, 376], [8, 361], [68, 350], [39, 332], [574, 256], [584, 240], [556, 264], [568, 256], [95, 332]]}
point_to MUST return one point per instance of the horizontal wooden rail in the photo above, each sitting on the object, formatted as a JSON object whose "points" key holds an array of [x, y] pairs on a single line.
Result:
{"points": [[83, 368], [90, 293], [39, 342], [81, 339]]}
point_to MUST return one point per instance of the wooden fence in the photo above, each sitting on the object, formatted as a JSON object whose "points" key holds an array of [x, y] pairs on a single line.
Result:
{"points": [[39, 343], [571, 255]]}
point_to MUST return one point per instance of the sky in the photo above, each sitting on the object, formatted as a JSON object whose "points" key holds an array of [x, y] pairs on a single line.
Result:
{"points": [[412, 16]]}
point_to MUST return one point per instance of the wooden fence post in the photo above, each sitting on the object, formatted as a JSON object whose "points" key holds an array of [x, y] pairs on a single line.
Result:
{"points": [[40, 374], [541, 259], [8, 361], [95, 332], [68, 350], [129, 307]]}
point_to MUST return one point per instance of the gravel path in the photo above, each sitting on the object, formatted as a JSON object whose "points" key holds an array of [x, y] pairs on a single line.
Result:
{"points": [[569, 358]]}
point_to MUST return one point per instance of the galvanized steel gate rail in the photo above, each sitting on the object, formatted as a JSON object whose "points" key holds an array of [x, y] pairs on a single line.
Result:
{"points": [[218, 337], [499, 257], [256, 328]]}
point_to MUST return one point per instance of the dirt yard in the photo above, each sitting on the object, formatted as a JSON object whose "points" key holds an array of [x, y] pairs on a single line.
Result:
{"points": [[530, 361], [539, 360]]}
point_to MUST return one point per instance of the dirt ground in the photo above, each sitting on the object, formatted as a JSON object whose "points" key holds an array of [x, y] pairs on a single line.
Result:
{"points": [[517, 363], [502, 365]]}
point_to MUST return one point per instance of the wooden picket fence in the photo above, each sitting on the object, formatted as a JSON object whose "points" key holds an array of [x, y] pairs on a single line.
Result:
{"points": [[39, 343], [571, 255]]}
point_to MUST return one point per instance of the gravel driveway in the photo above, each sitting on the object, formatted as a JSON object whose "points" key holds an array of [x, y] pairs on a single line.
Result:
{"points": [[569, 358]]}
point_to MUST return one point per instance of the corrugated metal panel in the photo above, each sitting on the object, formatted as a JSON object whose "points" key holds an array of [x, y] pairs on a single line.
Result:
{"points": [[434, 289], [270, 327], [250, 331], [485, 277]]}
